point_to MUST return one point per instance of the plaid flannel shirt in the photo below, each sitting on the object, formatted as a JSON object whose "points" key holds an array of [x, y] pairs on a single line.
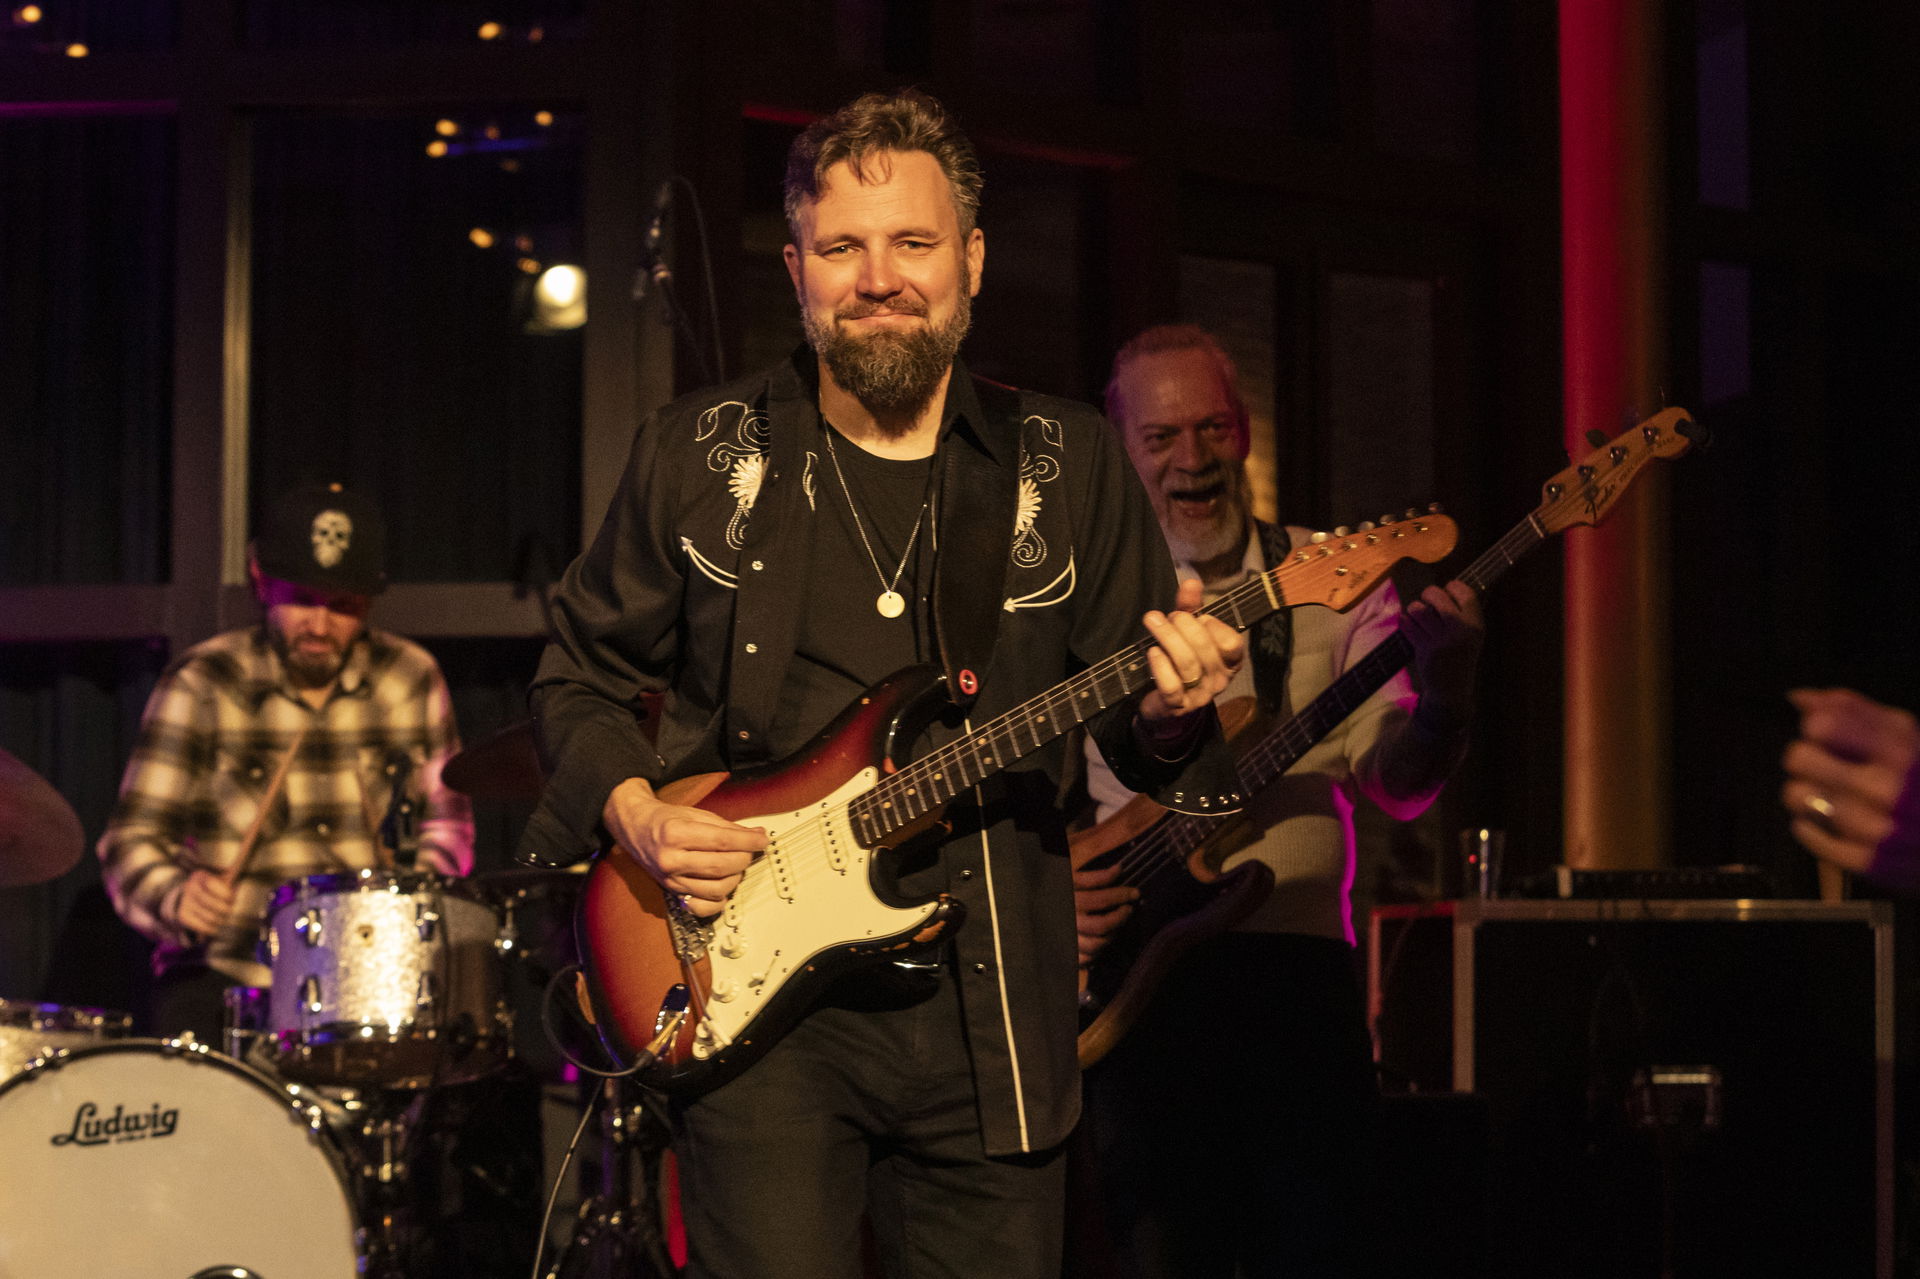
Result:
{"points": [[215, 730]]}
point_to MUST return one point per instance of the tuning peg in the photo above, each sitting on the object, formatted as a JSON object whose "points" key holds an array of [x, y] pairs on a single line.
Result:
{"points": [[1413, 513], [1597, 438], [1341, 531], [1366, 526], [1387, 518], [1317, 538], [1433, 508], [1697, 431]]}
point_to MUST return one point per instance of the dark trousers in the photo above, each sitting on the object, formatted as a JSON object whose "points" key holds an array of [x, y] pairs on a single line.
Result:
{"points": [[862, 1111], [1231, 1129]]}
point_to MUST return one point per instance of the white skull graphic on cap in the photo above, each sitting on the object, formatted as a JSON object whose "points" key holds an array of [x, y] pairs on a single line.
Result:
{"points": [[332, 532]]}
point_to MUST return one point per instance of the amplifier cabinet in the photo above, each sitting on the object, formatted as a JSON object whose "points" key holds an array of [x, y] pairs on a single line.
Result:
{"points": [[1673, 1087], [1686, 1088]]}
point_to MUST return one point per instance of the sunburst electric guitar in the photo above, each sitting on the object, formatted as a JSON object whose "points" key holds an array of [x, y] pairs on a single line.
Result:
{"points": [[694, 1001], [1174, 860]]}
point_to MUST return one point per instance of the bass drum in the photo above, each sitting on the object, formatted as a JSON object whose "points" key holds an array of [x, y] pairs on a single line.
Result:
{"points": [[147, 1159]]}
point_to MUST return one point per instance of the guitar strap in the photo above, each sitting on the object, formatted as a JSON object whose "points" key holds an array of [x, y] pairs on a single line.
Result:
{"points": [[1271, 643], [977, 501]]}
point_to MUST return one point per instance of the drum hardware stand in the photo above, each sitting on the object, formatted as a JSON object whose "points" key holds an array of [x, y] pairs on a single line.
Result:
{"points": [[384, 1132], [614, 1235], [616, 1232]]}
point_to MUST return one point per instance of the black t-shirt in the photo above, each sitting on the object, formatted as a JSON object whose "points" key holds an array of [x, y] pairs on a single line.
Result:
{"points": [[845, 645]]}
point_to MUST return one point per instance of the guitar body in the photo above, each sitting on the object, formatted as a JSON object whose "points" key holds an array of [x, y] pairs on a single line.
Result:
{"points": [[1184, 899], [1183, 904], [807, 911]]}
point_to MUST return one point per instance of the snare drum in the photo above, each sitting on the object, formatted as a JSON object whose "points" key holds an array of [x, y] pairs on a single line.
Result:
{"points": [[149, 1159], [28, 1031], [384, 978]]}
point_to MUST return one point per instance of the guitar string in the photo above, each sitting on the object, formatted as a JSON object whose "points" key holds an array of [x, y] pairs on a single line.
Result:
{"points": [[1151, 850], [1041, 725], [806, 837], [1169, 840]]}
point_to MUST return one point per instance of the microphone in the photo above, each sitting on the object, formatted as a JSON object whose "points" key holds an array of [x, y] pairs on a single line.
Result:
{"points": [[653, 265]]}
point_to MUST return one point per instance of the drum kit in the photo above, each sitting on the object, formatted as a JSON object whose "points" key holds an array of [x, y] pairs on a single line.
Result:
{"points": [[282, 1152]]}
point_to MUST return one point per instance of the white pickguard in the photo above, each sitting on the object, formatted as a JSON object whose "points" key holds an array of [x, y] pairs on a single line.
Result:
{"points": [[809, 893]]}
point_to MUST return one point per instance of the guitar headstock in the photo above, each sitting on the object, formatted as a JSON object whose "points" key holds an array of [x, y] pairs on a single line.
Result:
{"points": [[1338, 569], [1587, 490]]}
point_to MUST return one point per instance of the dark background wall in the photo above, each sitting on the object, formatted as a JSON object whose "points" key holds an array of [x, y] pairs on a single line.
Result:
{"points": [[225, 248]]}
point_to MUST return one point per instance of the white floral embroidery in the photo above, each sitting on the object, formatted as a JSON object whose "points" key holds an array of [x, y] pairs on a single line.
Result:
{"points": [[1037, 468], [806, 477], [1029, 548], [741, 455]]}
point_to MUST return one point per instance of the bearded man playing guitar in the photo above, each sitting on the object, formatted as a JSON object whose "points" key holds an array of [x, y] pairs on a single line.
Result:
{"points": [[1229, 1126], [777, 548]]}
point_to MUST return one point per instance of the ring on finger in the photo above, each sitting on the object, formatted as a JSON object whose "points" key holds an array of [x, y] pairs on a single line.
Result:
{"points": [[1821, 810], [1190, 684]]}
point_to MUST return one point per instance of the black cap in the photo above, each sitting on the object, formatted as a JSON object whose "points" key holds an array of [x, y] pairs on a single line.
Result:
{"points": [[325, 538]]}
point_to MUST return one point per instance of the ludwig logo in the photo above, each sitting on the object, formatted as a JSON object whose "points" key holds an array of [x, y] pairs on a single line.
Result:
{"points": [[90, 1128]]}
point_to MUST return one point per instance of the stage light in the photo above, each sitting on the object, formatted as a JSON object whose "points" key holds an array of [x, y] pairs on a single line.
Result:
{"points": [[536, 34], [481, 237], [437, 148], [489, 31], [523, 242], [491, 133], [77, 50], [543, 118], [445, 128], [530, 265], [560, 298], [27, 14]]}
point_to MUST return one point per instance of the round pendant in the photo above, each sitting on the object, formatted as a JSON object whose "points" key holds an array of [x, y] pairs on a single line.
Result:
{"points": [[890, 604]]}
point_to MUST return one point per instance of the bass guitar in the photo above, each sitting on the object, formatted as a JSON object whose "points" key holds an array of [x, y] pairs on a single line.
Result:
{"points": [[1174, 859], [691, 1001]]}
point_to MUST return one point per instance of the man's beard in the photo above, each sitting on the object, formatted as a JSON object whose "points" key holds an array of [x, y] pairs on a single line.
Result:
{"points": [[307, 670], [1199, 542], [889, 372]]}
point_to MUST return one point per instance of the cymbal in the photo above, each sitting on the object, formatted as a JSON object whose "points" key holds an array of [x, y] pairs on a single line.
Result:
{"points": [[40, 835], [528, 879], [502, 765], [506, 764]]}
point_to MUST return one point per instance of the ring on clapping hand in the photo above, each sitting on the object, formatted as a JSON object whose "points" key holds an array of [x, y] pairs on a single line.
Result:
{"points": [[1191, 684], [1820, 810]]}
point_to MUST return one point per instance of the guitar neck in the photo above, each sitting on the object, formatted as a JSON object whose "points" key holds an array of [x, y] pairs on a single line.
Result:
{"points": [[1282, 748], [929, 783]]}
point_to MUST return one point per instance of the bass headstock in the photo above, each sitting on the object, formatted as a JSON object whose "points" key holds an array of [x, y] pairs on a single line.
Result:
{"points": [[1584, 492]]}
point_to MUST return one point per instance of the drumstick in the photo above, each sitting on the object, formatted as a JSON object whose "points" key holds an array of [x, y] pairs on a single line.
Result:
{"points": [[252, 836]]}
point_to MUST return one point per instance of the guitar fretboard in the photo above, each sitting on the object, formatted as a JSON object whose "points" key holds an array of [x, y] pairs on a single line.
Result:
{"points": [[1281, 749], [924, 785]]}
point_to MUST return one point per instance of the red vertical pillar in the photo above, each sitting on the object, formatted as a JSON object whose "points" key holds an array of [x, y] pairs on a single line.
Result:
{"points": [[1617, 699]]}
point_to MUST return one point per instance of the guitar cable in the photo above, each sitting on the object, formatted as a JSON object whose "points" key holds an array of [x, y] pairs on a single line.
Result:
{"points": [[560, 1175], [566, 973]]}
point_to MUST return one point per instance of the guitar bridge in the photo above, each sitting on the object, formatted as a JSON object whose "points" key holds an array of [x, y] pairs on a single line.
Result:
{"points": [[688, 932]]}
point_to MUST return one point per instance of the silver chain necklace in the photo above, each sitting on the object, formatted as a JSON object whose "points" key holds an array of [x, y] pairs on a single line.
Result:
{"points": [[890, 603]]}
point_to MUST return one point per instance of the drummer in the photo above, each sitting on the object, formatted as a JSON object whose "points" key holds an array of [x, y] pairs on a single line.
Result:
{"points": [[308, 744]]}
